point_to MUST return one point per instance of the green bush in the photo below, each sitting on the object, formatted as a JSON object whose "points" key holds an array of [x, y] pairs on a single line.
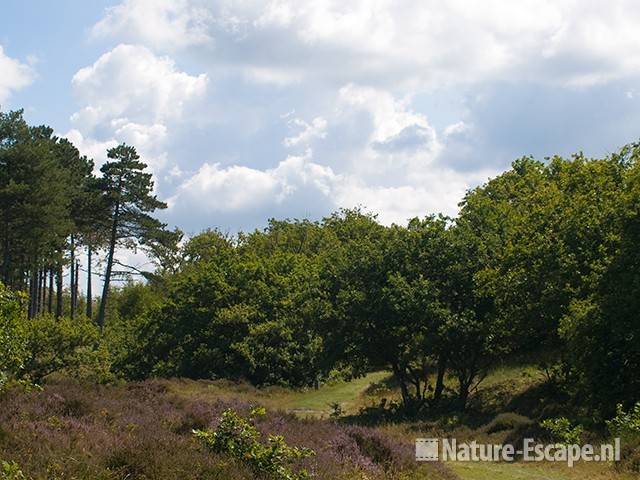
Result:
{"points": [[11, 471], [625, 423], [68, 347], [562, 430], [238, 437], [507, 421], [13, 337]]}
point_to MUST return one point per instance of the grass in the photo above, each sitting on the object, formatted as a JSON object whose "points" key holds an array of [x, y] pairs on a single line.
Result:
{"points": [[537, 471], [318, 402], [303, 402]]}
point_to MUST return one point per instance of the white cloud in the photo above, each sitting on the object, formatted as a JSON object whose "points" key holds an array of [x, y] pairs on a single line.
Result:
{"points": [[131, 95], [131, 82], [235, 188], [456, 129], [392, 173], [220, 189], [240, 190], [358, 74], [14, 75], [400, 143], [400, 203], [272, 76], [165, 23], [395, 42], [307, 131], [149, 140]]}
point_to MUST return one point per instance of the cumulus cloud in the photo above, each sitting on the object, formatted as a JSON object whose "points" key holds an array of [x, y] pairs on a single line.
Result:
{"points": [[297, 183], [392, 173], [306, 131], [165, 23], [397, 204], [356, 75], [15, 75], [237, 187], [400, 144], [131, 82], [131, 95], [399, 42]]}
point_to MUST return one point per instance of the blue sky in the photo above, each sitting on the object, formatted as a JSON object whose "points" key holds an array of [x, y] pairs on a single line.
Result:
{"points": [[246, 110]]}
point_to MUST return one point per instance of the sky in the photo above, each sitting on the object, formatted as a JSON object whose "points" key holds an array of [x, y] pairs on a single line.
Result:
{"points": [[246, 110]]}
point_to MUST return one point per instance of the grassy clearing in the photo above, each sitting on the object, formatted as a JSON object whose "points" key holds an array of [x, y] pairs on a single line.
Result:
{"points": [[347, 394], [304, 403]]}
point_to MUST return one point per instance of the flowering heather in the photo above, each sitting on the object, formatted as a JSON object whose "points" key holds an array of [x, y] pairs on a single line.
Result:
{"points": [[143, 431]]}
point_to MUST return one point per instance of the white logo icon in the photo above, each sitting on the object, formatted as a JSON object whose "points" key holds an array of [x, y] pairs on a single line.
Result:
{"points": [[427, 449]]}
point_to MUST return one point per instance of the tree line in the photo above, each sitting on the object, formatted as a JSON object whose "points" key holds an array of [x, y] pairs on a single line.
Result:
{"points": [[53, 206], [541, 261]]}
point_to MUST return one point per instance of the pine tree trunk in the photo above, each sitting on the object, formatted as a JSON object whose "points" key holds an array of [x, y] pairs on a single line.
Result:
{"points": [[30, 305], [89, 293], [72, 278], [33, 287], [59, 296], [43, 288], [6, 261], [36, 293], [75, 286], [50, 303], [107, 276]]}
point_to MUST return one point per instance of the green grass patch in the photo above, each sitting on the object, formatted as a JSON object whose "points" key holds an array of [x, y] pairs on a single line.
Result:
{"points": [[318, 402]]}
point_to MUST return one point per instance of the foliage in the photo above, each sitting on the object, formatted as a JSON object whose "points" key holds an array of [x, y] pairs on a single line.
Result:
{"points": [[626, 425], [13, 337], [129, 195], [240, 438], [562, 430], [542, 257], [625, 422], [526, 265], [10, 471], [65, 346]]}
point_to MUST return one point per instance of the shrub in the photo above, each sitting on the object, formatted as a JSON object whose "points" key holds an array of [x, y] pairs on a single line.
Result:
{"points": [[507, 421], [626, 425], [240, 438], [10, 471], [13, 338], [561, 429], [70, 347]]}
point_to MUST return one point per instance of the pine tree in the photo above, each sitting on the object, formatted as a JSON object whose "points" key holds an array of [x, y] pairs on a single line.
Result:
{"points": [[128, 191]]}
